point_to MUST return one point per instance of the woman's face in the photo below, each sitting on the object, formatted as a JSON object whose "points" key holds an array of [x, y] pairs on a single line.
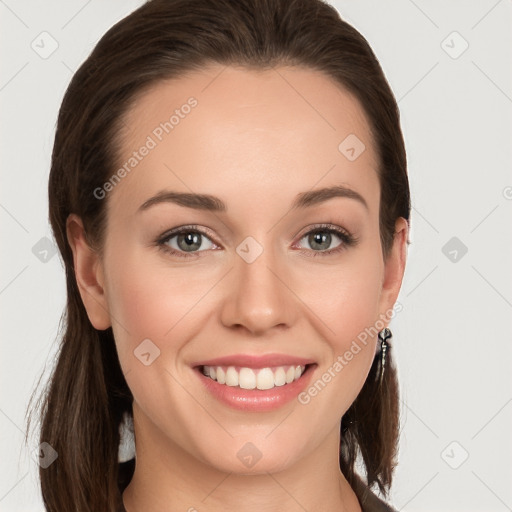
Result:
{"points": [[274, 277]]}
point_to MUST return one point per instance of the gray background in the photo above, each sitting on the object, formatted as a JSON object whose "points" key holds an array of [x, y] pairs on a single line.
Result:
{"points": [[453, 338]]}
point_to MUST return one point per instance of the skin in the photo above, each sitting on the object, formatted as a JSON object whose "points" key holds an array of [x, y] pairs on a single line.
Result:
{"points": [[256, 140]]}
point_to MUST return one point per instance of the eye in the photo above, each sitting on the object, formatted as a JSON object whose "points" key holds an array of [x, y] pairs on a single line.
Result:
{"points": [[327, 239], [321, 240], [189, 242], [185, 241]]}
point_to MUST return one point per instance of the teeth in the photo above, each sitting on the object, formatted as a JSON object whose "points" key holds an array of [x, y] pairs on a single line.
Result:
{"points": [[231, 377], [221, 376], [266, 379], [247, 378], [280, 377]]}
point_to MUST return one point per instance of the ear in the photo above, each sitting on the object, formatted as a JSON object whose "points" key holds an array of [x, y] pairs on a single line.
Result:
{"points": [[88, 274], [394, 266]]}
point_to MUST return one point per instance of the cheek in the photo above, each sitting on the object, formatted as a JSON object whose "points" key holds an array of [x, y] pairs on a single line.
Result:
{"points": [[151, 302], [345, 300], [344, 297], [154, 311]]}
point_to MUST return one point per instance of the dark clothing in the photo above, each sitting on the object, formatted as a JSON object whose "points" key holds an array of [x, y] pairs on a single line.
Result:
{"points": [[367, 499]]}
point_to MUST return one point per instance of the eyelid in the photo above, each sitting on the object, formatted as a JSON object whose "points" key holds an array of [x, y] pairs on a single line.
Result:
{"points": [[347, 238], [205, 231], [162, 241], [325, 226]]}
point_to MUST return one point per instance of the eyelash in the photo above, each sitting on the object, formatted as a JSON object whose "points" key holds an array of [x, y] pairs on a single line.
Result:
{"points": [[347, 240]]}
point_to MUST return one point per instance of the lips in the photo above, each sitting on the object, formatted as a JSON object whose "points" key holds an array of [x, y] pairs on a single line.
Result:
{"points": [[255, 382], [256, 361]]}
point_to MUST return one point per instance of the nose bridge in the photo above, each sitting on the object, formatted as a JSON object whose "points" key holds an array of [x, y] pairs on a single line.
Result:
{"points": [[258, 300]]}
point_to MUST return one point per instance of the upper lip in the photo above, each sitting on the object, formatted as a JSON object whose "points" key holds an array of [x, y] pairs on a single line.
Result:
{"points": [[256, 361]]}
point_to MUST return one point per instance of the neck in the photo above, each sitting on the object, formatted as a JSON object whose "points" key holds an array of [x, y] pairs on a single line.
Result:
{"points": [[167, 479]]}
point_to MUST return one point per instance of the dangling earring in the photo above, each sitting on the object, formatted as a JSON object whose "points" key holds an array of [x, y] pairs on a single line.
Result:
{"points": [[127, 439], [384, 336]]}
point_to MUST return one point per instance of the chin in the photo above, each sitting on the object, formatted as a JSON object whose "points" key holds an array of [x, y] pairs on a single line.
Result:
{"points": [[246, 457]]}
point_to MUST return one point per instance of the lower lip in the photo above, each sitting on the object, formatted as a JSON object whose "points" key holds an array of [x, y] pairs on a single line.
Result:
{"points": [[257, 400]]}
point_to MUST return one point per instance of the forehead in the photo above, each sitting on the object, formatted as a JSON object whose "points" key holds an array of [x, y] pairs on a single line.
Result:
{"points": [[225, 129]]}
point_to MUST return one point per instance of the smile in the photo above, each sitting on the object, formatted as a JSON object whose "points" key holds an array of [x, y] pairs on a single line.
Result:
{"points": [[255, 382], [254, 378]]}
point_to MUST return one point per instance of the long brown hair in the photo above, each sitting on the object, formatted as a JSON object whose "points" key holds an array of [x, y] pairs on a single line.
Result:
{"points": [[82, 407]]}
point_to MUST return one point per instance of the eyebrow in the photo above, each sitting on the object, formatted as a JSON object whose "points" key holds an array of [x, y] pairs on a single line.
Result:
{"points": [[313, 197], [190, 200], [215, 204]]}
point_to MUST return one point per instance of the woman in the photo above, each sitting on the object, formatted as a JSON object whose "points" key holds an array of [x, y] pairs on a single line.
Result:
{"points": [[229, 194]]}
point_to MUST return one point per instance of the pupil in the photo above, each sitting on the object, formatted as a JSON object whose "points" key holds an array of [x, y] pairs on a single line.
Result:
{"points": [[318, 238], [192, 241]]}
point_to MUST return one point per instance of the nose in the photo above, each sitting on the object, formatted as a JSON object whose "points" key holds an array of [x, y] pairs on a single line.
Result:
{"points": [[258, 298]]}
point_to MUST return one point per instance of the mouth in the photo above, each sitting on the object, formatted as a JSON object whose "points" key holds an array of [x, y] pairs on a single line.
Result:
{"points": [[256, 384], [254, 378]]}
